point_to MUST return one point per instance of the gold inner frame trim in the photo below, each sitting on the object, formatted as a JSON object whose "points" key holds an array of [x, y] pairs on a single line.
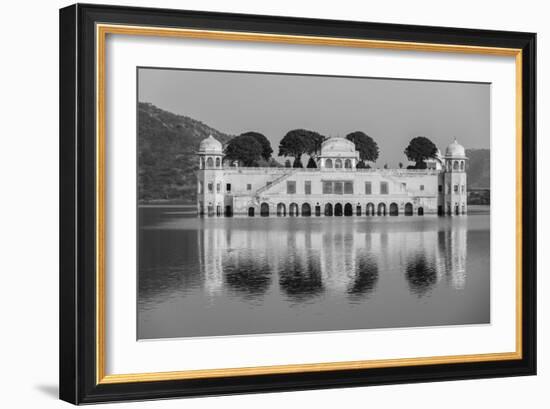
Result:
{"points": [[102, 30]]}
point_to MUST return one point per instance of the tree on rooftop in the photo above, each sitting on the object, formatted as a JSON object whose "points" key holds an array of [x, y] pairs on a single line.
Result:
{"points": [[263, 141], [419, 149], [367, 147], [244, 148]]}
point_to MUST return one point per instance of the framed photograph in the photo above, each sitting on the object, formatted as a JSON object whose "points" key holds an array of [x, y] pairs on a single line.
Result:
{"points": [[257, 203]]}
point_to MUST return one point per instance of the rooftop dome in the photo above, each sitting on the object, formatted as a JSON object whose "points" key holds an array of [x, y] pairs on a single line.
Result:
{"points": [[210, 145], [455, 149], [337, 146]]}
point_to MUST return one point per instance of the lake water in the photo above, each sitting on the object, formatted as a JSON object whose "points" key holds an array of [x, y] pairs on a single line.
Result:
{"points": [[229, 276]]}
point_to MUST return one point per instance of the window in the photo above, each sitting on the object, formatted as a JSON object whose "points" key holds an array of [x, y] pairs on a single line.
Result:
{"points": [[461, 165], [347, 164], [348, 188], [290, 187], [403, 186], [440, 188], [210, 187], [248, 186], [228, 187], [383, 188], [368, 188], [338, 163], [421, 187], [218, 162], [218, 187], [338, 188], [455, 165], [327, 187], [328, 163], [209, 163], [455, 188], [307, 187]]}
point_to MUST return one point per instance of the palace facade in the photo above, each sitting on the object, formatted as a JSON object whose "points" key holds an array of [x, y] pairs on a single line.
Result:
{"points": [[335, 188]]}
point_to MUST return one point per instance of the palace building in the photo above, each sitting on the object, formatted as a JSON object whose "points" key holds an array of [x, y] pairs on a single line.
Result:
{"points": [[335, 188]]}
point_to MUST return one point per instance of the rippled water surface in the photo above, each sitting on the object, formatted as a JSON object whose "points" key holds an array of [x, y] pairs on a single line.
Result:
{"points": [[227, 276]]}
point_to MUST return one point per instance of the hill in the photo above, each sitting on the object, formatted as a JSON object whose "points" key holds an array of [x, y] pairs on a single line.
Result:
{"points": [[166, 150], [479, 168]]}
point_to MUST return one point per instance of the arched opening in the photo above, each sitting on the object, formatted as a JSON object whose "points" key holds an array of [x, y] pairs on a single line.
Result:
{"points": [[370, 209], [209, 163], [306, 210], [456, 210], [381, 209], [293, 209], [358, 210], [348, 209], [218, 162], [338, 163], [347, 164], [440, 210], [408, 209], [228, 211], [462, 165], [328, 209], [328, 163], [210, 209], [251, 211], [463, 208], [421, 211], [455, 165], [317, 210], [338, 209], [281, 209], [218, 210], [264, 209], [394, 209]]}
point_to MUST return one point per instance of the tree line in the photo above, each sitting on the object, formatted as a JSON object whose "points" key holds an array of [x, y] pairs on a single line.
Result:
{"points": [[254, 149]]}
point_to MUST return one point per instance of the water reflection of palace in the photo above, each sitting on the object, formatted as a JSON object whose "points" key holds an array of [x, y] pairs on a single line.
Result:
{"points": [[339, 258]]}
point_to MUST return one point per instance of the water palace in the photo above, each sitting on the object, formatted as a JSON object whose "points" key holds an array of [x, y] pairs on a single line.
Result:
{"points": [[335, 188]]}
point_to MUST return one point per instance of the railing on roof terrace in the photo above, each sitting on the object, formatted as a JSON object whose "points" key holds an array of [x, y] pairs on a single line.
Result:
{"points": [[371, 170]]}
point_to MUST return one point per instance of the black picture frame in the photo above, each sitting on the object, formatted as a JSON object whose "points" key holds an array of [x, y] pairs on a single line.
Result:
{"points": [[78, 358]]}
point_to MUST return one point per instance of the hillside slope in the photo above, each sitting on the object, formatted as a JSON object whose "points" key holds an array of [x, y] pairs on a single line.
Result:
{"points": [[166, 151]]}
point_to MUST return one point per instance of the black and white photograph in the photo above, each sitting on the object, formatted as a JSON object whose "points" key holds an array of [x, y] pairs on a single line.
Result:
{"points": [[280, 203]]}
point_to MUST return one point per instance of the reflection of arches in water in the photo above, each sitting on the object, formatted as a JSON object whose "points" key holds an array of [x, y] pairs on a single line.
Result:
{"points": [[293, 209], [247, 274], [366, 278], [381, 209], [300, 279], [318, 210], [370, 209], [421, 211], [328, 209], [394, 209], [348, 210], [306, 210], [264, 209], [338, 209], [421, 274], [408, 209], [281, 209], [251, 211]]}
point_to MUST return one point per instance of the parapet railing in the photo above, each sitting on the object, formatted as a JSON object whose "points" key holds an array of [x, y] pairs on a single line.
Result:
{"points": [[350, 170]]}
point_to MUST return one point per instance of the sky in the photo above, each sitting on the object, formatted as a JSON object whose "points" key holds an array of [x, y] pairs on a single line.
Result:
{"points": [[391, 111]]}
